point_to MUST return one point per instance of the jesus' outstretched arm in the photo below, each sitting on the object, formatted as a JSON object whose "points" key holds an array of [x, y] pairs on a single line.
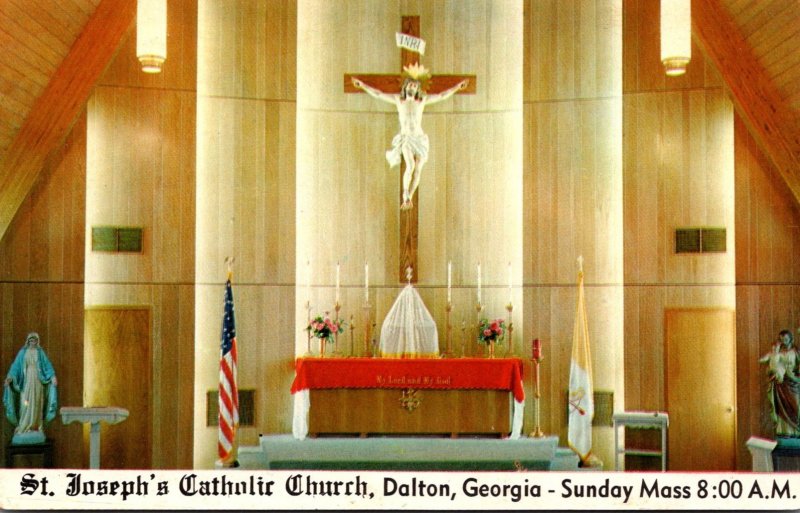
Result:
{"points": [[447, 93], [375, 93]]}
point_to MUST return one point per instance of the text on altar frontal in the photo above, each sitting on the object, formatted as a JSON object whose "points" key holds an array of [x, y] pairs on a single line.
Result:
{"points": [[408, 380]]}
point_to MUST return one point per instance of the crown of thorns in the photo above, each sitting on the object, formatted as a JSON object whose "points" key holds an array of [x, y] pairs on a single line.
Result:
{"points": [[417, 72]]}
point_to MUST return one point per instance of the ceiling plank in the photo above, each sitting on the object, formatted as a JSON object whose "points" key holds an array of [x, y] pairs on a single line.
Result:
{"points": [[755, 97], [65, 96]]}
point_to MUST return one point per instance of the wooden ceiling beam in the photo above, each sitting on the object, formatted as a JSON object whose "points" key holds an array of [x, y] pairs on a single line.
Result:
{"points": [[63, 99], [755, 97]]}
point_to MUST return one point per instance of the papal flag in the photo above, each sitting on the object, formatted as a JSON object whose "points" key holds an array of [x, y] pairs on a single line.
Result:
{"points": [[581, 398], [228, 390]]}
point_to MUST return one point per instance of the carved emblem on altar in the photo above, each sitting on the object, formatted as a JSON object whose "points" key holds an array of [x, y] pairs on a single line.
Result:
{"points": [[409, 399]]}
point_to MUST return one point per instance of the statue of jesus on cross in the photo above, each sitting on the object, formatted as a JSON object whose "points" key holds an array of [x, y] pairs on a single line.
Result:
{"points": [[411, 143]]}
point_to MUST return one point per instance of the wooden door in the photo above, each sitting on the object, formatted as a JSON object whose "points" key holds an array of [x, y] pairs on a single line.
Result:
{"points": [[117, 373], [700, 387]]}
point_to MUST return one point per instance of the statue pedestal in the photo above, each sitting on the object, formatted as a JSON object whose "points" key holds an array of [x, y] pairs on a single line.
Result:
{"points": [[93, 416], [28, 438], [45, 449], [786, 455]]}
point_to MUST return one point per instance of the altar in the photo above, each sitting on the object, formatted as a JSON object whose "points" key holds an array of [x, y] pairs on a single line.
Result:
{"points": [[380, 396]]}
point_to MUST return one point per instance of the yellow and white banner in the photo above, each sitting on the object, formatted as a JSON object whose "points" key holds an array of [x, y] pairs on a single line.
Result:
{"points": [[581, 391]]}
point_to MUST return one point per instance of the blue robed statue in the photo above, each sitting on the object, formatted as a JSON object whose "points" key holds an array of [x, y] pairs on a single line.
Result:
{"points": [[30, 396]]}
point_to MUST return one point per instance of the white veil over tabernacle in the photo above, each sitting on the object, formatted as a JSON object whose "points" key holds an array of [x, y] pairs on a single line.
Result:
{"points": [[409, 330]]}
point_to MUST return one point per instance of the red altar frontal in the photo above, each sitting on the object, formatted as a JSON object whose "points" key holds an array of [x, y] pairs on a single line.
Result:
{"points": [[469, 396]]}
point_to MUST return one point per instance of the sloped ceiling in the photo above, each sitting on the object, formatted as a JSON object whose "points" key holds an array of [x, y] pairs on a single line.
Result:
{"points": [[756, 47], [52, 55], [37, 38]]}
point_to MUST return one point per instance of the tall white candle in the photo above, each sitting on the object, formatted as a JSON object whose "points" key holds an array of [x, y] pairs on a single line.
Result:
{"points": [[308, 282], [366, 282], [510, 288], [337, 282], [479, 283], [449, 279]]}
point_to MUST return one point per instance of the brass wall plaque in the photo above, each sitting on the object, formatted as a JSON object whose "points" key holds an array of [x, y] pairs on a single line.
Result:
{"points": [[247, 407], [117, 239]]}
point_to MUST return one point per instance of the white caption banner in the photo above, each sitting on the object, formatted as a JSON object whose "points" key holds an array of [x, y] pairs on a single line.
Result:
{"points": [[44, 489]]}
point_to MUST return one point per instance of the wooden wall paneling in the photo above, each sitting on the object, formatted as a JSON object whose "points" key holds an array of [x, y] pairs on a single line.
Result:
{"points": [[767, 299], [573, 191], [754, 95], [247, 186], [142, 173], [56, 109], [43, 272], [53, 310]]}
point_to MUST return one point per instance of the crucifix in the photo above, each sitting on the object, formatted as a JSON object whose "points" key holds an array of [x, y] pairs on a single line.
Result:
{"points": [[382, 86]]}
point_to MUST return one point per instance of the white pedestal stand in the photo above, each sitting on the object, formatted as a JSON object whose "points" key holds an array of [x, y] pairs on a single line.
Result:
{"points": [[93, 416]]}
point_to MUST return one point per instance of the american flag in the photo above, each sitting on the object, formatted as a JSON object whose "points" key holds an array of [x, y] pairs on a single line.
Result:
{"points": [[228, 391]]}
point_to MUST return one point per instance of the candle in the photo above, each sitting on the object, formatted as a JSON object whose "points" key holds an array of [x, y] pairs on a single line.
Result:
{"points": [[510, 289], [537, 349], [308, 283], [366, 282], [337, 282], [479, 283], [449, 279]]}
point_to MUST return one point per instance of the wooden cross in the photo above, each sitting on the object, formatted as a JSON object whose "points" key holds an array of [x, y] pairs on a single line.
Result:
{"points": [[389, 83]]}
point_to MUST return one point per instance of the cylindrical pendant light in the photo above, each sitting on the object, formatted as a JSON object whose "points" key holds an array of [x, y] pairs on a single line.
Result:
{"points": [[676, 35], [151, 34]]}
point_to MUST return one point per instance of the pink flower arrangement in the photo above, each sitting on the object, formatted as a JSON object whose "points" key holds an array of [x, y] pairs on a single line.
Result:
{"points": [[324, 328], [491, 331]]}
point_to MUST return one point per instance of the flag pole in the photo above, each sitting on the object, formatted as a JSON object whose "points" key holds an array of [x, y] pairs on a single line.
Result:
{"points": [[228, 418]]}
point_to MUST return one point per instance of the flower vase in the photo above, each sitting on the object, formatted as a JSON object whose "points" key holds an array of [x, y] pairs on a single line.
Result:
{"points": [[491, 349], [322, 342]]}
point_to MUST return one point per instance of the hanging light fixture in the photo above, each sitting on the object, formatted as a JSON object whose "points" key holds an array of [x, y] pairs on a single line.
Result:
{"points": [[151, 34], [676, 35]]}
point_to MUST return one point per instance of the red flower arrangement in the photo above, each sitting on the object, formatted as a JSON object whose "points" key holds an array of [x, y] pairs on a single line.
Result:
{"points": [[324, 328], [491, 331]]}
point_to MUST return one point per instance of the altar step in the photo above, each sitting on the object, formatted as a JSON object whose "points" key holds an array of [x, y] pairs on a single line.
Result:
{"points": [[284, 452]]}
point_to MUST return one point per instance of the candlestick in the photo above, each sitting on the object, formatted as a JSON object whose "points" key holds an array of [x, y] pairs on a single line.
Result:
{"points": [[463, 337], [536, 358], [367, 329], [337, 307], [323, 342], [510, 330], [448, 353], [352, 327], [477, 337]]}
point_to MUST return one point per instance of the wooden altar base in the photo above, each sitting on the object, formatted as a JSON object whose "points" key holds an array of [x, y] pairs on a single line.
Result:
{"points": [[284, 452], [367, 412]]}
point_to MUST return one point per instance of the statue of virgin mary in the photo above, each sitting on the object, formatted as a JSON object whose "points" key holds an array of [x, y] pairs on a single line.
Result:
{"points": [[30, 396]]}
